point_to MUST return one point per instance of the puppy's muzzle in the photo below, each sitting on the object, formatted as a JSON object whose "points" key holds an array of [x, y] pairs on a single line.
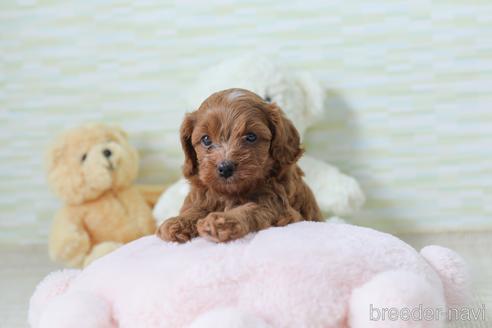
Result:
{"points": [[226, 169]]}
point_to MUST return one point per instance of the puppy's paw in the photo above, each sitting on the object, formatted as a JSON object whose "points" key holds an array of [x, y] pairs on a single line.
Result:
{"points": [[176, 229], [290, 216], [221, 227]]}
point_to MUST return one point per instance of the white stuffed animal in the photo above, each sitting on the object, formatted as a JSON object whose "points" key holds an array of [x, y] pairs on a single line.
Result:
{"points": [[302, 99]]}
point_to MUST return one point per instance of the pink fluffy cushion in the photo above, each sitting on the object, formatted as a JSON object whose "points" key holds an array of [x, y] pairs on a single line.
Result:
{"points": [[303, 275]]}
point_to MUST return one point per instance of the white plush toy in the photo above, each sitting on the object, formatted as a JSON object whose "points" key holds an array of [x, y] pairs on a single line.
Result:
{"points": [[302, 98]]}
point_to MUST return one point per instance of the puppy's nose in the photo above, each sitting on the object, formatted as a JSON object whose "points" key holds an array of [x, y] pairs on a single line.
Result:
{"points": [[107, 153], [225, 169]]}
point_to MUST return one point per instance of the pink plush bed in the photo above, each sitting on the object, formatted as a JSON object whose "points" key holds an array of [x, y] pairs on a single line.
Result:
{"points": [[303, 275]]}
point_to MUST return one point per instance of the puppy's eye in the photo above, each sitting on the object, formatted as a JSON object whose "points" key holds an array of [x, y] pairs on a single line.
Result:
{"points": [[83, 158], [250, 137], [268, 98], [206, 141]]}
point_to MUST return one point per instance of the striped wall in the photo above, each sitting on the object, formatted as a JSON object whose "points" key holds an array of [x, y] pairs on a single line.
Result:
{"points": [[409, 111]]}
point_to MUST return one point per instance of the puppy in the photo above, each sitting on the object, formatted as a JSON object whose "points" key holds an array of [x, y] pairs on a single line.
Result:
{"points": [[240, 159]]}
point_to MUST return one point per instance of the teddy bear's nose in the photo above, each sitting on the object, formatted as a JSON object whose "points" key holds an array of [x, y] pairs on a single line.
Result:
{"points": [[107, 153]]}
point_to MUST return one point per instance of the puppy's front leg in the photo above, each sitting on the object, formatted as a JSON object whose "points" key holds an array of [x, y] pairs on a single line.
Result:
{"points": [[222, 227], [235, 223], [181, 228]]}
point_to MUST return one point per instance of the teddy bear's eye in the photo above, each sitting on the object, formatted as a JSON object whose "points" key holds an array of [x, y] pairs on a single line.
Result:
{"points": [[82, 159], [268, 98]]}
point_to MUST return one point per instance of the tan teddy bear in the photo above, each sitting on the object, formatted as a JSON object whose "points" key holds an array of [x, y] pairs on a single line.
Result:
{"points": [[92, 169]]}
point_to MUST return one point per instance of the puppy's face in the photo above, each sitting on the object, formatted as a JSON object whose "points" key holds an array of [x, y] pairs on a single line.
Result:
{"points": [[233, 142]]}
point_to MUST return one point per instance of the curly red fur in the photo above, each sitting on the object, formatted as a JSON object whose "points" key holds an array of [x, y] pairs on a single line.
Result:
{"points": [[266, 188]]}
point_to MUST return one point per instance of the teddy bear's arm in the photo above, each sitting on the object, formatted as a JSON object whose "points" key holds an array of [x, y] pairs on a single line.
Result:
{"points": [[69, 241], [151, 193], [140, 211]]}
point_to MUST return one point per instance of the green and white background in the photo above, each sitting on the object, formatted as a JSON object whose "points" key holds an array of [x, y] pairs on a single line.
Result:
{"points": [[409, 84]]}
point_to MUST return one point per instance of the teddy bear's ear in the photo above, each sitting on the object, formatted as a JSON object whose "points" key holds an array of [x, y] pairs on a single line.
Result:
{"points": [[118, 130], [314, 95], [53, 155]]}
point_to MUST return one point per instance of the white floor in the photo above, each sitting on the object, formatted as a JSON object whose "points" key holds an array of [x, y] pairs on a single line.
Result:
{"points": [[22, 267]]}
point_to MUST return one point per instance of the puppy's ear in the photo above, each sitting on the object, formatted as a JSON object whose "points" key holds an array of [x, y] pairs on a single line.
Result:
{"points": [[190, 167], [285, 147]]}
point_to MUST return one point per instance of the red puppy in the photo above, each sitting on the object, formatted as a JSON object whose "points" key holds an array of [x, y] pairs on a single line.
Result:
{"points": [[240, 159]]}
